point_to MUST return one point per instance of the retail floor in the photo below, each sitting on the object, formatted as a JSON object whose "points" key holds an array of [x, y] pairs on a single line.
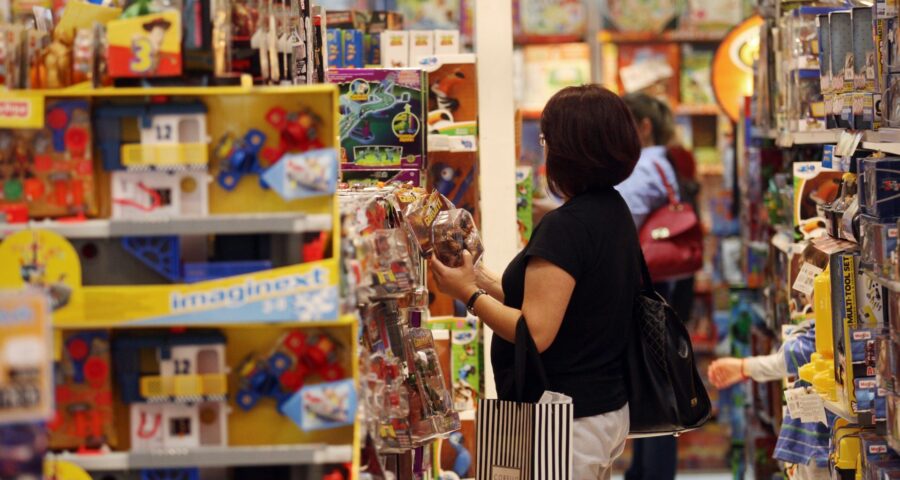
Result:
{"points": [[692, 476]]}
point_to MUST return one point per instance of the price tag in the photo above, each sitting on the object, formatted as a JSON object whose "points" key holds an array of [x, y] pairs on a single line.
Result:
{"points": [[811, 408], [805, 279]]}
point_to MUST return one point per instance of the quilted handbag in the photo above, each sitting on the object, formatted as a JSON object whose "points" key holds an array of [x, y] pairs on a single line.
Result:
{"points": [[672, 238], [666, 395]]}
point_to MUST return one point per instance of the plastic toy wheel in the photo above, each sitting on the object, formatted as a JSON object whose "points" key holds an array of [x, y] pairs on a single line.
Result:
{"points": [[246, 400], [78, 349], [296, 343], [291, 380], [277, 117], [332, 372], [280, 362], [95, 371], [227, 180]]}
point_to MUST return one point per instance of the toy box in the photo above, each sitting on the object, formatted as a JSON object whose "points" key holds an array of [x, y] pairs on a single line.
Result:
{"points": [[455, 176], [421, 15], [381, 118], [394, 49], [879, 245], [524, 202], [335, 46], [547, 69], [882, 184], [145, 46], [872, 300], [842, 61], [814, 187], [353, 49], [452, 103], [466, 359], [84, 396], [50, 171], [421, 45], [696, 65], [865, 68], [446, 42], [375, 177], [25, 367]]}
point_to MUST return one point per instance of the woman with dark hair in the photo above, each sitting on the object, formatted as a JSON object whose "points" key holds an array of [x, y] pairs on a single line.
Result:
{"points": [[576, 279]]}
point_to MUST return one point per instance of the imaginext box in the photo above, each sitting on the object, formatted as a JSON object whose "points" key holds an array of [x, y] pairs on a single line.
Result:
{"points": [[382, 118]]}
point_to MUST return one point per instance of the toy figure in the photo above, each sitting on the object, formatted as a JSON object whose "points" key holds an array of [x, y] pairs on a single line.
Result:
{"points": [[445, 178], [155, 34], [443, 90], [463, 461]]}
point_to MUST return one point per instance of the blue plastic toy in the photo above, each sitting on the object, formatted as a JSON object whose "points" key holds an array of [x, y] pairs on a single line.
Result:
{"points": [[240, 157]]}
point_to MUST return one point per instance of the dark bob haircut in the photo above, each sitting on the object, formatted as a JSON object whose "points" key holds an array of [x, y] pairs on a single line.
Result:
{"points": [[591, 140]]}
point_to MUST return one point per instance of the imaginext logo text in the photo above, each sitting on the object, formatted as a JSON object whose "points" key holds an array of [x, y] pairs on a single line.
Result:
{"points": [[252, 289]]}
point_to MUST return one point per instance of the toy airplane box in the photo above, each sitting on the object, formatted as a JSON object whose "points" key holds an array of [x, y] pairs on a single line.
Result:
{"points": [[382, 114]]}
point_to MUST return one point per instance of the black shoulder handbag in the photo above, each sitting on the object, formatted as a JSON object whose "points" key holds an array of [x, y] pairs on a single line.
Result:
{"points": [[665, 393]]}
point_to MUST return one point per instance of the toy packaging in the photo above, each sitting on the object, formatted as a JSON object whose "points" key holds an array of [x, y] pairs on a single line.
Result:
{"points": [[446, 42], [453, 232], [455, 176], [84, 396], [524, 202], [696, 88], [395, 49], [814, 187], [421, 45], [641, 15], [537, 18], [323, 406], [381, 118], [419, 14], [882, 184], [26, 375], [145, 46], [452, 103], [546, 69], [335, 46], [373, 178], [49, 172]]}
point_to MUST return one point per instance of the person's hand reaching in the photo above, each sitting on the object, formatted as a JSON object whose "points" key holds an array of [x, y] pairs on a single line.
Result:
{"points": [[459, 283], [726, 372]]}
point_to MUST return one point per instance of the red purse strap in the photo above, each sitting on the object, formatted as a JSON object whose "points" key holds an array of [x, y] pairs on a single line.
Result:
{"points": [[669, 190]]}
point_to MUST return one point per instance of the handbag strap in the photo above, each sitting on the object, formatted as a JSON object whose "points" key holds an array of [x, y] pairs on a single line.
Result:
{"points": [[526, 351], [669, 190]]}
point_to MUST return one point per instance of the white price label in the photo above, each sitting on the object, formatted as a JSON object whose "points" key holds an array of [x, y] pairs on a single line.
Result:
{"points": [[805, 279]]}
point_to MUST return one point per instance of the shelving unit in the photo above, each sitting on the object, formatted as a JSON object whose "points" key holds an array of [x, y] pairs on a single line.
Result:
{"points": [[251, 311]]}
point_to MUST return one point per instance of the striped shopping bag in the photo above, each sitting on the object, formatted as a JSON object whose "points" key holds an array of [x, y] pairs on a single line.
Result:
{"points": [[524, 441]]}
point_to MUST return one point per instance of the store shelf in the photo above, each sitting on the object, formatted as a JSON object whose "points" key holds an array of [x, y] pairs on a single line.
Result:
{"points": [[891, 148], [205, 457], [892, 285], [686, 36], [770, 134], [840, 410], [688, 110], [232, 224]]}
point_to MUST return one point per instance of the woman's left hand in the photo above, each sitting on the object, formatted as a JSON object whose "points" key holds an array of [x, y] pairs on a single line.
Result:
{"points": [[458, 282]]}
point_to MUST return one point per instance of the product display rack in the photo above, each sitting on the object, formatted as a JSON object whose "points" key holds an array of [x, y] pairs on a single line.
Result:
{"points": [[124, 310], [852, 300]]}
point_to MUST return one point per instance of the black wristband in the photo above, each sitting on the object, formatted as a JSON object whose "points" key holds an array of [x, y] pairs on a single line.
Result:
{"points": [[470, 307]]}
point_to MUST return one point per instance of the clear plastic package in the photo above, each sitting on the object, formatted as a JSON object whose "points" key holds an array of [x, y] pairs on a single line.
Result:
{"points": [[453, 232]]}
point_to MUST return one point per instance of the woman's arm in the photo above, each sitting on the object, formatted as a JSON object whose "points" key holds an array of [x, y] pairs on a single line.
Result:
{"points": [[489, 281], [543, 307]]}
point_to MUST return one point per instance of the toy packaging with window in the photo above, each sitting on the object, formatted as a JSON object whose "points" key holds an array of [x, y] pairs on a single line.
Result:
{"points": [[382, 114]]}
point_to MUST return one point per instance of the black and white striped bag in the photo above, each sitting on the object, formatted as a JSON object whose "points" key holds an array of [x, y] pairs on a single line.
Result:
{"points": [[524, 441]]}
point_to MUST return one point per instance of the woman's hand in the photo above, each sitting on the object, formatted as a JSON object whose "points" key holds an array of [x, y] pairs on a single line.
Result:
{"points": [[489, 281], [726, 372], [460, 283]]}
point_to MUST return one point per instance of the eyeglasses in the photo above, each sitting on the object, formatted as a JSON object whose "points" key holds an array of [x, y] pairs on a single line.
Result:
{"points": [[542, 140]]}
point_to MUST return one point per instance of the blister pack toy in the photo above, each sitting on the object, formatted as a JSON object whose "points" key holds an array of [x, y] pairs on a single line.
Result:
{"points": [[50, 170], [431, 405], [421, 215], [453, 232]]}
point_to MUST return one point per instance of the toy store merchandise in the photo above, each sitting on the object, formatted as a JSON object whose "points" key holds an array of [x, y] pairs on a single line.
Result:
{"points": [[388, 233], [189, 256], [834, 257], [26, 382]]}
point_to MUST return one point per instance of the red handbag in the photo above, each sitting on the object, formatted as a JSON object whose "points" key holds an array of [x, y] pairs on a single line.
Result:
{"points": [[672, 238]]}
